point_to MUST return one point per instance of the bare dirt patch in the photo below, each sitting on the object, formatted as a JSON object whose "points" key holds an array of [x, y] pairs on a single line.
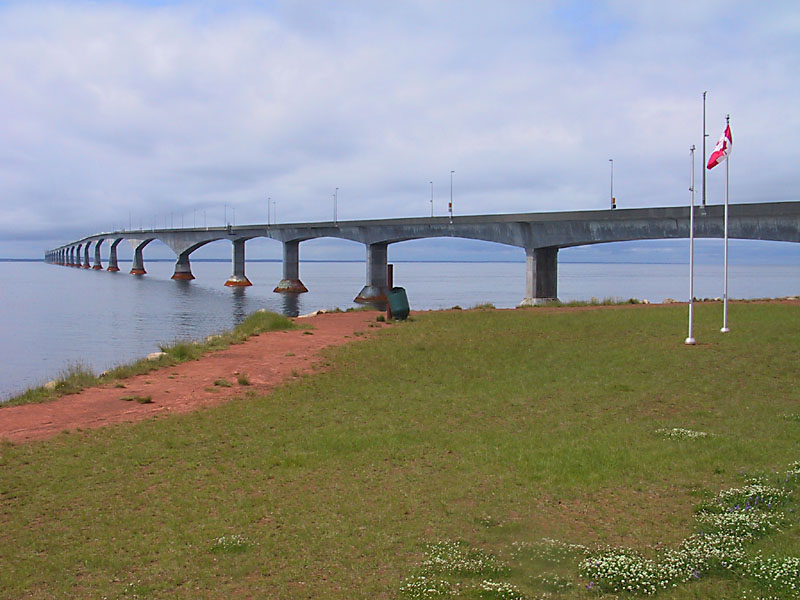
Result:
{"points": [[266, 360]]}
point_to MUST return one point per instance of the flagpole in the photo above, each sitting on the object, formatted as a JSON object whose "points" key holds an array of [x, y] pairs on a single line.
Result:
{"points": [[705, 135], [690, 341], [725, 287]]}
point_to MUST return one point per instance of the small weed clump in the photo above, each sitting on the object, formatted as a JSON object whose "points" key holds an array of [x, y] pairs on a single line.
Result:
{"points": [[243, 379], [139, 399], [230, 544], [222, 383], [457, 558], [679, 433], [447, 569], [182, 351], [484, 306]]}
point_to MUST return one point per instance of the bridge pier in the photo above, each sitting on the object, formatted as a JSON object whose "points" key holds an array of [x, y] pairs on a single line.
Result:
{"points": [[137, 268], [291, 284], [541, 276], [97, 264], [238, 278], [86, 264], [377, 281], [112, 256], [183, 270]]}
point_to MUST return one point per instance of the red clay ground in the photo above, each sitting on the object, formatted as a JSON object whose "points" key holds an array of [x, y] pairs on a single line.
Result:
{"points": [[267, 359]]}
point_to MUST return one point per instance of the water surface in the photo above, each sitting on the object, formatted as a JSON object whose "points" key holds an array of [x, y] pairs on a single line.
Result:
{"points": [[52, 316]]}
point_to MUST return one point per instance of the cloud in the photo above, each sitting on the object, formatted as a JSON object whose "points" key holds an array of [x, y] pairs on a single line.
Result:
{"points": [[162, 109]]}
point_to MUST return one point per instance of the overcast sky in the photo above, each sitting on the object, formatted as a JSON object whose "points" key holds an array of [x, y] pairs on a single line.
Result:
{"points": [[164, 112]]}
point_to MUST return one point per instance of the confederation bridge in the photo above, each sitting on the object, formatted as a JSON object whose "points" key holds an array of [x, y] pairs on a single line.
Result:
{"points": [[542, 235]]}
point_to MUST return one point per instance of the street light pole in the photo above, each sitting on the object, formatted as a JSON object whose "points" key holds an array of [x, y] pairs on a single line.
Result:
{"points": [[335, 207], [613, 200], [450, 207], [431, 199]]}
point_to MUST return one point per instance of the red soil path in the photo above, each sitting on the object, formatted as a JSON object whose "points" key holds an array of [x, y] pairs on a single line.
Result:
{"points": [[267, 359]]}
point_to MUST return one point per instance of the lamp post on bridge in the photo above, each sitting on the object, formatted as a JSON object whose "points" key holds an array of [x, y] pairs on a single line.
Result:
{"points": [[613, 200], [450, 207], [431, 199]]}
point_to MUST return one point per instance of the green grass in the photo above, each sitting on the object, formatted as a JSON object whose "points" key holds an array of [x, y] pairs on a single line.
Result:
{"points": [[591, 302], [468, 435], [77, 377]]}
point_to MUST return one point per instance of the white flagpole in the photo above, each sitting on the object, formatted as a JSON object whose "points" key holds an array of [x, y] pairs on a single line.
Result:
{"points": [[690, 341], [725, 288]]}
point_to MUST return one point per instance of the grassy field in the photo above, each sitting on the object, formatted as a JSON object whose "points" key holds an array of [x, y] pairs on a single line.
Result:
{"points": [[471, 454]]}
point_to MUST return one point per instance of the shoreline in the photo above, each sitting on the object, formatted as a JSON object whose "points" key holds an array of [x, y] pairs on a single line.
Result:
{"points": [[593, 303], [257, 365]]}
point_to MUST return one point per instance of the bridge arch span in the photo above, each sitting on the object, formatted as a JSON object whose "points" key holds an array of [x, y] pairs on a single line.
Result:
{"points": [[541, 235]]}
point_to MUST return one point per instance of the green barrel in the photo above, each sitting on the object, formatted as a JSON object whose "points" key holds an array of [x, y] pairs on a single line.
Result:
{"points": [[398, 303]]}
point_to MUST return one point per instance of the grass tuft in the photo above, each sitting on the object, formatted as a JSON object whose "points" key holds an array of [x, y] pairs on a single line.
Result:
{"points": [[70, 380]]}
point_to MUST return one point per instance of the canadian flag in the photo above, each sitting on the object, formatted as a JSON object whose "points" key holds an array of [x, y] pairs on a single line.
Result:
{"points": [[722, 149]]}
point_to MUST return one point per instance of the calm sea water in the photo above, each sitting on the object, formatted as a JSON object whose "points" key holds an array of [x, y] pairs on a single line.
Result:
{"points": [[53, 316]]}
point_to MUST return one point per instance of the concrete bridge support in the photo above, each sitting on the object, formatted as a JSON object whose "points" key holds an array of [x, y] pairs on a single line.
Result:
{"points": [[238, 278], [86, 264], [70, 255], [97, 264], [137, 268], [77, 256], [377, 281], [112, 256], [183, 270], [541, 276], [291, 284]]}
